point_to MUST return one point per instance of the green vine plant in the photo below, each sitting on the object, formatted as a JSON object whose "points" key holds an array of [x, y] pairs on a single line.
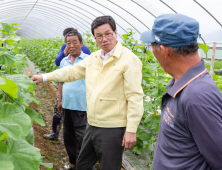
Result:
{"points": [[89, 42], [216, 76], [43, 52], [16, 92], [154, 82]]}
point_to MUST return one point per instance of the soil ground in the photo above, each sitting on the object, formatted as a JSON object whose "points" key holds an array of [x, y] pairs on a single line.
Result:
{"points": [[54, 151]]}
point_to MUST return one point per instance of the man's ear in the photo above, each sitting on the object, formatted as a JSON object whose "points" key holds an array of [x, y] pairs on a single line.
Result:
{"points": [[165, 50], [115, 32], [81, 44]]}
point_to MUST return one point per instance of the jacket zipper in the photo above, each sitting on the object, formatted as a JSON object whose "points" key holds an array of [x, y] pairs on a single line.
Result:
{"points": [[98, 80]]}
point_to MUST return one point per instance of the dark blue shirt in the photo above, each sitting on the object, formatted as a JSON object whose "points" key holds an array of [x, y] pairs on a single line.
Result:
{"points": [[190, 132], [61, 54]]}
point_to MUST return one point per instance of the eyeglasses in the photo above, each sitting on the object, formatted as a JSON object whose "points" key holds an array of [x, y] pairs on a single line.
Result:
{"points": [[107, 36]]}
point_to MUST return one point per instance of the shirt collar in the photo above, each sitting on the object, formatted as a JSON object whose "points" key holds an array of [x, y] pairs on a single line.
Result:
{"points": [[81, 56], [116, 52], [118, 49], [193, 73]]}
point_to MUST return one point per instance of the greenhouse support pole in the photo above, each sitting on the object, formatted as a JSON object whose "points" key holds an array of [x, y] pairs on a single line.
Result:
{"points": [[212, 59]]}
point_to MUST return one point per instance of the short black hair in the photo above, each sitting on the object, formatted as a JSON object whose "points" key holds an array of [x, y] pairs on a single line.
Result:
{"points": [[103, 20], [184, 51], [67, 30], [74, 33]]}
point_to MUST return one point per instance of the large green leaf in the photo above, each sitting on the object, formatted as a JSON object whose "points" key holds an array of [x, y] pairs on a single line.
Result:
{"points": [[6, 27], [14, 121], [2, 39], [138, 150], [147, 75], [153, 121], [152, 66], [30, 139], [160, 79], [23, 81], [204, 47], [153, 92], [3, 135], [36, 117], [1, 50], [22, 58], [15, 49], [6, 165], [23, 155], [27, 98], [10, 42], [143, 135], [148, 106], [19, 66], [13, 28], [2, 81], [124, 36], [48, 166], [9, 87], [7, 59], [13, 38]]}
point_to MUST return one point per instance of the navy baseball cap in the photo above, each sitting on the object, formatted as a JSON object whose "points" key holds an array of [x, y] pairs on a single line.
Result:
{"points": [[173, 30]]}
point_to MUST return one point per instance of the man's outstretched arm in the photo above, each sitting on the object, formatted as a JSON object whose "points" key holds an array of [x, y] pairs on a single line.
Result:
{"points": [[66, 74]]}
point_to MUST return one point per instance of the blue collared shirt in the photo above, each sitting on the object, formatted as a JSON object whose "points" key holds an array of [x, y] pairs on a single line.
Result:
{"points": [[74, 93]]}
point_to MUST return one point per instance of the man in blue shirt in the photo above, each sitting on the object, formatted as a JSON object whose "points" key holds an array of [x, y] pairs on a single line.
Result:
{"points": [[190, 132], [64, 52], [56, 123], [72, 101]]}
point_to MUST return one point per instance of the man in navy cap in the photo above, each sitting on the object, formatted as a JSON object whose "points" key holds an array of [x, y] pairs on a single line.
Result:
{"points": [[190, 132]]}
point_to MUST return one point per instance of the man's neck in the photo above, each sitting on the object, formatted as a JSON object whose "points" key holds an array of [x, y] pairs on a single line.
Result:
{"points": [[105, 52], [181, 66], [72, 57]]}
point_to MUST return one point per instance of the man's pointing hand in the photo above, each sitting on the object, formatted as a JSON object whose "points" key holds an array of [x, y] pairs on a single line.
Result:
{"points": [[37, 79]]}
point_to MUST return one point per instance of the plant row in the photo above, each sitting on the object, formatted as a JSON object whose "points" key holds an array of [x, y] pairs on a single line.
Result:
{"points": [[16, 92]]}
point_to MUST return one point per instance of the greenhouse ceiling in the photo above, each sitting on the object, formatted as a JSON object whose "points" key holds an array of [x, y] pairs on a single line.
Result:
{"points": [[48, 18]]}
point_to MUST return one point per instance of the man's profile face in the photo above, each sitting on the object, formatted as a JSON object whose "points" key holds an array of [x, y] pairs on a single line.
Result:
{"points": [[74, 46], [159, 56], [105, 37]]}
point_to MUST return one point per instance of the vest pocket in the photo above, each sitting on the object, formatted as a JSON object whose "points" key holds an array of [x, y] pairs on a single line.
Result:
{"points": [[107, 108]]}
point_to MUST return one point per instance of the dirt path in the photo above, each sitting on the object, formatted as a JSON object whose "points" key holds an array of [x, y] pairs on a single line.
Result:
{"points": [[54, 151]]}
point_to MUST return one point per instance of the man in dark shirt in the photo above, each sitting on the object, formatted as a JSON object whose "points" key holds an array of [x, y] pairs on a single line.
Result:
{"points": [[190, 132], [56, 122]]}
